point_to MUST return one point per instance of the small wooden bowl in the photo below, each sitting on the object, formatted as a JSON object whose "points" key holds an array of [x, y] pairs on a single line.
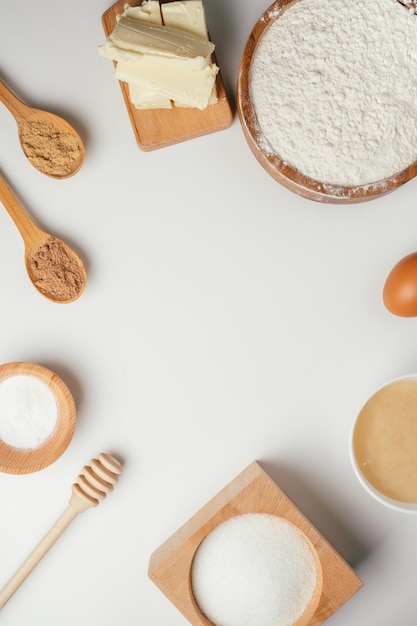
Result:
{"points": [[252, 491], [289, 177], [25, 461], [312, 605]]}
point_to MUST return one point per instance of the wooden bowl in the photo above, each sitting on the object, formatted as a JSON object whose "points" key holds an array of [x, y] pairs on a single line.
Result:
{"points": [[288, 176], [252, 491], [312, 605], [25, 461]]}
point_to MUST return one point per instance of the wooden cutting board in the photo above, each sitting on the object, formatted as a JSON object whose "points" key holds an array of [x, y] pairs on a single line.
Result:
{"points": [[252, 491], [157, 128]]}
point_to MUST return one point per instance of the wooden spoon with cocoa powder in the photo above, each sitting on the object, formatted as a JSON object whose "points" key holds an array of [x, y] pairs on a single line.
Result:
{"points": [[53, 267], [51, 144]]}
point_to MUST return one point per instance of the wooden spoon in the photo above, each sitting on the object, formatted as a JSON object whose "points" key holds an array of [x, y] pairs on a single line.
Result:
{"points": [[51, 144], [54, 269]]}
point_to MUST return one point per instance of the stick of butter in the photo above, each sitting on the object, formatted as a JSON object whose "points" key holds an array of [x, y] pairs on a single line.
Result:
{"points": [[132, 37], [141, 96], [190, 88], [149, 11], [186, 15], [190, 16]]}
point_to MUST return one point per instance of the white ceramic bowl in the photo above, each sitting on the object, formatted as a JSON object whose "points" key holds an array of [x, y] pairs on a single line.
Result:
{"points": [[378, 401]]}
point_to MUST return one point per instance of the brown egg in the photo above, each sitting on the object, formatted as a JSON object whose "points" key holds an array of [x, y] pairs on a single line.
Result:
{"points": [[400, 289]]}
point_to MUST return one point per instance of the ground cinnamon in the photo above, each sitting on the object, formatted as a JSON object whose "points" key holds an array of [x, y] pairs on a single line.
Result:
{"points": [[56, 270], [48, 149]]}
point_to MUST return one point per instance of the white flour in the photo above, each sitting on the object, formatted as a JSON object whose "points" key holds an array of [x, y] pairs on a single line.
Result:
{"points": [[334, 88]]}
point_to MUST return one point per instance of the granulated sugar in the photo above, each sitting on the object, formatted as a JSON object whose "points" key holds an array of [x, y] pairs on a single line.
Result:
{"points": [[254, 570], [28, 411], [334, 89]]}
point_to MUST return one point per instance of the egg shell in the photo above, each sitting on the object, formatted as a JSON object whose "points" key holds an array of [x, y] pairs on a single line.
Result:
{"points": [[400, 289]]}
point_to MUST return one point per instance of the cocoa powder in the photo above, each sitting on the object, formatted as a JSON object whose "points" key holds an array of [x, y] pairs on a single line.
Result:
{"points": [[56, 271]]}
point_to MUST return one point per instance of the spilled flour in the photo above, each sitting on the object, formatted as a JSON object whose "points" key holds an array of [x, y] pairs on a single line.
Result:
{"points": [[334, 89]]}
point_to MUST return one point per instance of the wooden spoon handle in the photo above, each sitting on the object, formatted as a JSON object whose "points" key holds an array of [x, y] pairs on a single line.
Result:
{"points": [[30, 232], [16, 107]]}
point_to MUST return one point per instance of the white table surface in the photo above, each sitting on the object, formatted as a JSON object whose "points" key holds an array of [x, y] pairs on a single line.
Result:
{"points": [[225, 320]]}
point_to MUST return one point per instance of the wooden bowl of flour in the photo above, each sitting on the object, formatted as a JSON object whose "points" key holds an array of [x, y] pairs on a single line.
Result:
{"points": [[37, 417], [269, 148]]}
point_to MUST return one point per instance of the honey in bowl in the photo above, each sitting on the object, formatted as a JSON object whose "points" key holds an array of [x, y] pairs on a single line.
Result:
{"points": [[384, 444]]}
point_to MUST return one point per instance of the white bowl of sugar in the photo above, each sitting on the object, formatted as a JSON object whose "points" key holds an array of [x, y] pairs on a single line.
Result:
{"points": [[37, 417], [327, 97]]}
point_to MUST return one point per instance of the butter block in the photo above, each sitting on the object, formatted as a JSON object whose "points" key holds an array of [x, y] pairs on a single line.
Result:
{"points": [[163, 53], [190, 88], [132, 38], [190, 16], [149, 11], [186, 15], [140, 96]]}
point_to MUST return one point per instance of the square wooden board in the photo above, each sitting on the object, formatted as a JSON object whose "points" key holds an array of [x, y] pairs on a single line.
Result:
{"points": [[252, 491], [158, 128]]}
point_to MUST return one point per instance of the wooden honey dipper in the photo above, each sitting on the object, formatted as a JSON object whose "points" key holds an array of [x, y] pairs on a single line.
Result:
{"points": [[93, 484]]}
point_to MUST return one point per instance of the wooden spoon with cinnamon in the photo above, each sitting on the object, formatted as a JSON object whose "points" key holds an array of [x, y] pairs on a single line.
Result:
{"points": [[50, 143], [53, 267]]}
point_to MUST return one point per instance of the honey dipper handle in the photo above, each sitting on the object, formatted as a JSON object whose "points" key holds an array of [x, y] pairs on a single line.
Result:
{"points": [[95, 482], [37, 554]]}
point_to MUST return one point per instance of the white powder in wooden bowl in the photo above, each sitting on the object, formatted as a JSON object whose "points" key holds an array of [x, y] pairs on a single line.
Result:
{"points": [[254, 570], [334, 89], [28, 411]]}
